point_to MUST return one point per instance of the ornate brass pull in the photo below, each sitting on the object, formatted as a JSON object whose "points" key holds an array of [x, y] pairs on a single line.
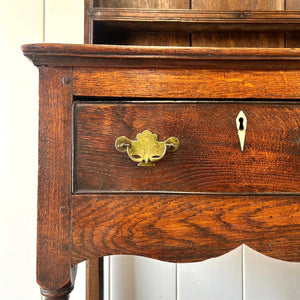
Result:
{"points": [[146, 149]]}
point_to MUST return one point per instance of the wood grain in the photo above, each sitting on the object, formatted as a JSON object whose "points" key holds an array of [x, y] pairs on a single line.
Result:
{"points": [[117, 23], [183, 16], [162, 57], [159, 4], [115, 14], [293, 40], [54, 183], [187, 83], [238, 5], [94, 279], [88, 22], [124, 37], [184, 228], [209, 154], [186, 20], [238, 39], [293, 4]]}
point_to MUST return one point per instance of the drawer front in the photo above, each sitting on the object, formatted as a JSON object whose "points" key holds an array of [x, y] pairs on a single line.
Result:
{"points": [[209, 158], [184, 228]]}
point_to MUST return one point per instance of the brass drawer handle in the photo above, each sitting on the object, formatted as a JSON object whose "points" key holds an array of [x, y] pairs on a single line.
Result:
{"points": [[146, 149]]}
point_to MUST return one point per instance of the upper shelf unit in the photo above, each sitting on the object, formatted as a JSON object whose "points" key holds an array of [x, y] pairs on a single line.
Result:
{"points": [[118, 22]]}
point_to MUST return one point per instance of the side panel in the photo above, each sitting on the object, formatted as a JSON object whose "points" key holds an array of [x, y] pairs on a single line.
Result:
{"points": [[54, 184]]}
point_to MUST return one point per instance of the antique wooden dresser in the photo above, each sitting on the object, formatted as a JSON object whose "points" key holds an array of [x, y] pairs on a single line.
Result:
{"points": [[173, 153]]}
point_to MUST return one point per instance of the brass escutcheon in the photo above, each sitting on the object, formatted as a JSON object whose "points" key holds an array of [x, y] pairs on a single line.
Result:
{"points": [[146, 149]]}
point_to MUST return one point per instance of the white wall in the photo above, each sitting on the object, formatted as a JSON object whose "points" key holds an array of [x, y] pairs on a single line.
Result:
{"points": [[20, 22], [64, 21], [240, 274]]}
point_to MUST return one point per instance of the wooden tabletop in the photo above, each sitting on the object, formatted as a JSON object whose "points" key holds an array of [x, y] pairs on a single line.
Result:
{"points": [[145, 56]]}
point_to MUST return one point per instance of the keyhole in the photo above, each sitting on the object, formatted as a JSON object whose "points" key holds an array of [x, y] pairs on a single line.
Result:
{"points": [[241, 120]]}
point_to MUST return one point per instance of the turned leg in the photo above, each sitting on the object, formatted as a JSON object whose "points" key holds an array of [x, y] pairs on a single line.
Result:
{"points": [[61, 294], [57, 298]]}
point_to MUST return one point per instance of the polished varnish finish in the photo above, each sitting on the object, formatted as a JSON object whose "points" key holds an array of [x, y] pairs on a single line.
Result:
{"points": [[201, 201]]}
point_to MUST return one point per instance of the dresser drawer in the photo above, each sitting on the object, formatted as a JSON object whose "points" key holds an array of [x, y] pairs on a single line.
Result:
{"points": [[209, 158]]}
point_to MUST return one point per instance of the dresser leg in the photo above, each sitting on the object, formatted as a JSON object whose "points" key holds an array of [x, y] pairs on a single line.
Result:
{"points": [[61, 294], [57, 298]]}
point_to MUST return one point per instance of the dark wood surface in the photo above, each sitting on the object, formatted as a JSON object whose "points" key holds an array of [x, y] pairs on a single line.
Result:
{"points": [[293, 38], [170, 57], [184, 229], [54, 186], [197, 16], [209, 29], [88, 22], [237, 38], [94, 279], [160, 4], [292, 4], [131, 37], [112, 35], [238, 5], [195, 20], [141, 18], [209, 158]]}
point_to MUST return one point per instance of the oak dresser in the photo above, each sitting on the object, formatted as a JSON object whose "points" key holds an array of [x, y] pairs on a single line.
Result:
{"points": [[173, 153]]}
